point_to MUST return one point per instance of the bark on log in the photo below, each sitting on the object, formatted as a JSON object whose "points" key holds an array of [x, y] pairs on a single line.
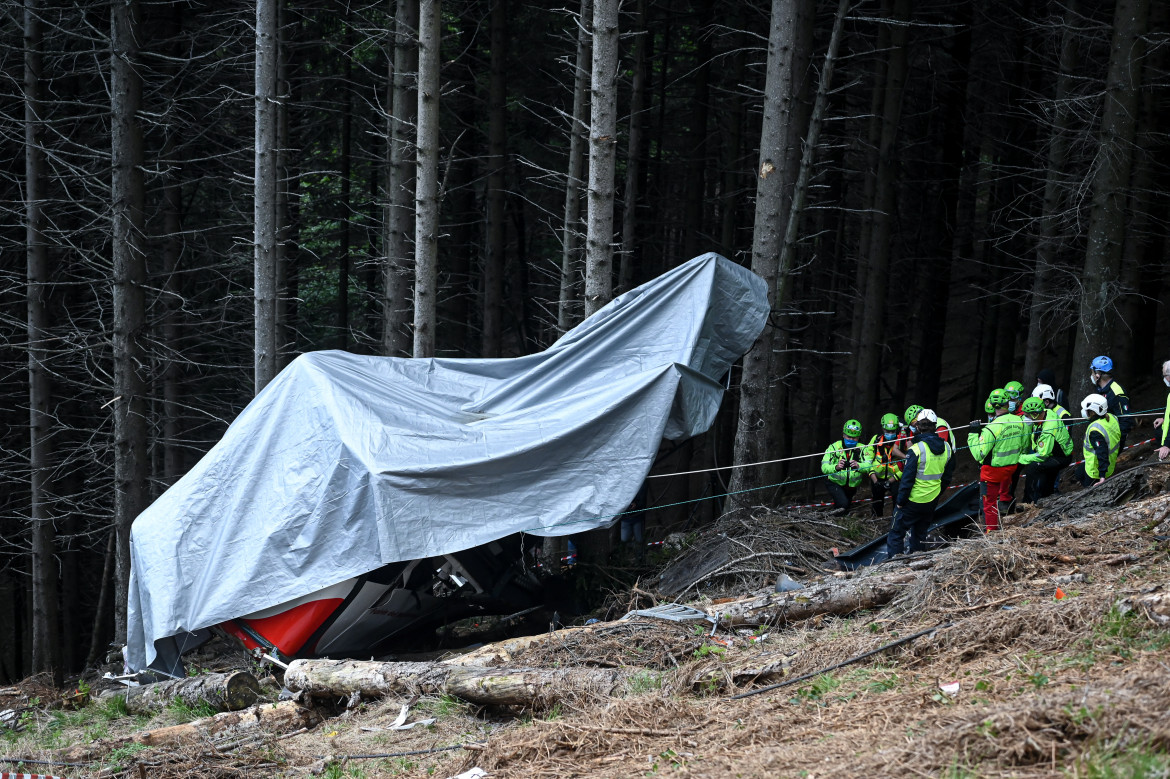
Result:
{"points": [[503, 652], [529, 686], [283, 717], [220, 691], [832, 597], [477, 684], [370, 679]]}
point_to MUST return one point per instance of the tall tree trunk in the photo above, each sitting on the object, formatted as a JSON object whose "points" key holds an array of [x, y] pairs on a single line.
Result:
{"points": [[869, 363], [569, 307], [754, 437], [602, 145], [1107, 217], [45, 645], [127, 194], [264, 194], [426, 225], [399, 219], [696, 168], [493, 271], [1048, 242], [732, 182], [933, 289], [286, 244], [800, 188], [345, 205], [634, 153], [873, 136]]}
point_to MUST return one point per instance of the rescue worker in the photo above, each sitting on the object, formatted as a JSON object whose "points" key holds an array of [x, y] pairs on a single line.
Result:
{"points": [[1051, 450], [844, 463], [1048, 396], [1015, 393], [996, 447], [929, 465], [885, 468], [942, 428], [1117, 402], [1102, 441], [1164, 422], [1046, 376]]}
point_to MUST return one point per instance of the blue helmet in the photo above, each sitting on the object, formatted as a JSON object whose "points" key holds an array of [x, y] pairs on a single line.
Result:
{"points": [[1103, 364]]}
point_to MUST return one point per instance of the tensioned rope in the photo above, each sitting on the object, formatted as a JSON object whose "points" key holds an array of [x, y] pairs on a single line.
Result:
{"points": [[1073, 421]]}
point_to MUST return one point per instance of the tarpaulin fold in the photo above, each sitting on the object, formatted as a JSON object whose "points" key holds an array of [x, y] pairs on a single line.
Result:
{"points": [[345, 462]]}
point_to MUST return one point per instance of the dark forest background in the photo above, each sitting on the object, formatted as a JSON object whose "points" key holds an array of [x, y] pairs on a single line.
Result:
{"points": [[984, 195]]}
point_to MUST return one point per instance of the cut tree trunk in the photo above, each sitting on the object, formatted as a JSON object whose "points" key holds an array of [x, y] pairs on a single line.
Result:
{"points": [[283, 717], [222, 692], [832, 597], [505, 686], [529, 686]]}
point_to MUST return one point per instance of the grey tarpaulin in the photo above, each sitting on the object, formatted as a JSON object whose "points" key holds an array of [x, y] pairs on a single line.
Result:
{"points": [[345, 463]]}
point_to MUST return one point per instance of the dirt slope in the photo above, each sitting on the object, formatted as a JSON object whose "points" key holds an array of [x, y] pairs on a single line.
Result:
{"points": [[1049, 660]]}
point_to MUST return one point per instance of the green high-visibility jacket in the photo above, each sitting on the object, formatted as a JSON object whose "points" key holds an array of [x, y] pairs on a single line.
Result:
{"points": [[928, 476], [1166, 424], [1000, 441], [1109, 427], [1049, 438], [847, 477]]}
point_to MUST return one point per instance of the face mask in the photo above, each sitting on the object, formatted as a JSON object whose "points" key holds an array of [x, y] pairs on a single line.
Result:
{"points": [[1093, 376], [1011, 406], [913, 429], [850, 442], [1028, 420], [1166, 381], [889, 435]]}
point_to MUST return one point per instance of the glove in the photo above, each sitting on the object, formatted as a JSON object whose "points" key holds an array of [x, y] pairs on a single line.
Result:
{"points": [[1028, 459], [976, 426]]}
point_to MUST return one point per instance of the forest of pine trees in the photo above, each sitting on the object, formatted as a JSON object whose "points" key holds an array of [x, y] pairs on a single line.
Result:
{"points": [[942, 196]]}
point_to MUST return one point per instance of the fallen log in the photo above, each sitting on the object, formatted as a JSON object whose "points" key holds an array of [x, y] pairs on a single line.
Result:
{"points": [[532, 686], [343, 678], [832, 597], [280, 717], [220, 691], [503, 652], [477, 684]]}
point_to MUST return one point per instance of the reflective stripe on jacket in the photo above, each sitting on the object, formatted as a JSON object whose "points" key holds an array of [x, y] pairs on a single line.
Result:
{"points": [[1166, 423], [881, 457], [999, 443], [1109, 427], [1050, 437], [929, 474], [847, 477]]}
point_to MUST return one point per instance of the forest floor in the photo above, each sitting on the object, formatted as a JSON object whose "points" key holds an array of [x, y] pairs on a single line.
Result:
{"points": [[1048, 657]]}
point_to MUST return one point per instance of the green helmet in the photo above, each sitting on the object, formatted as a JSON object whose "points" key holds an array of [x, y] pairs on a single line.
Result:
{"points": [[1013, 389], [1033, 406], [997, 398], [852, 429], [889, 421], [911, 413], [990, 409]]}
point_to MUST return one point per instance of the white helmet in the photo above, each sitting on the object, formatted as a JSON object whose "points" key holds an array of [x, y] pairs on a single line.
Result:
{"points": [[926, 415], [1044, 392], [1095, 403]]}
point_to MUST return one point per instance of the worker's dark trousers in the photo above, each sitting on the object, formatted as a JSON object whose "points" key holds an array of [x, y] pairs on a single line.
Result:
{"points": [[914, 518], [1041, 477], [842, 496], [878, 490]]}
